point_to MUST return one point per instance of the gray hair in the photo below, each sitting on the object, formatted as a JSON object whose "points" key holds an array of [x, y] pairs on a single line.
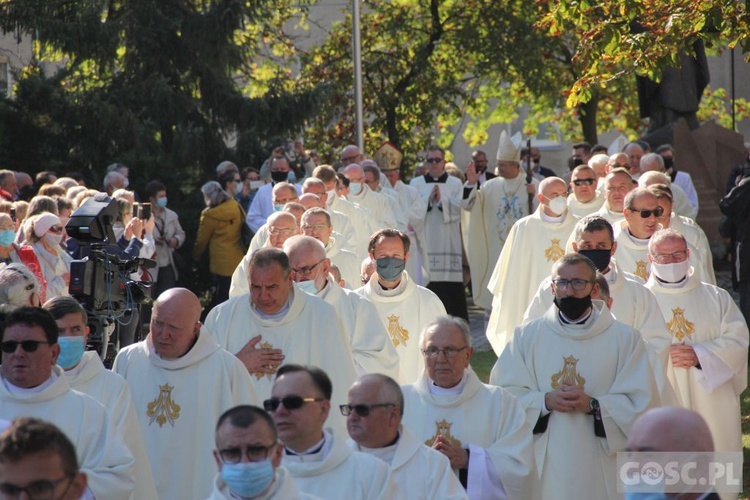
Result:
{"points": [[663, 235], [601, 280], [571, 259], [111, 177], [447, 321], [597, 160], [214, 194], [650, 158], [17, 284], [592, 223]]}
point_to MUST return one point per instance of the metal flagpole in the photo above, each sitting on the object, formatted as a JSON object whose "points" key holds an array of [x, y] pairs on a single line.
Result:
{"points": [[357, 52]]}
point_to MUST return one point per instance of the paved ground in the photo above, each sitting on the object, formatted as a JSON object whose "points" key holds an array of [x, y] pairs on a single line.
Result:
{"points": [[476, 314]]}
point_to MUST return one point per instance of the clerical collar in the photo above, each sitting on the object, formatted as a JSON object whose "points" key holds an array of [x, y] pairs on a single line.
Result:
{"points": [[635, 239], [389, 292], [13, 389], [580, 321], [384, 453], [549, 218], [669, 284], [446, 391], [442, 179], [278, 314], [610, 275], [317, 453]]}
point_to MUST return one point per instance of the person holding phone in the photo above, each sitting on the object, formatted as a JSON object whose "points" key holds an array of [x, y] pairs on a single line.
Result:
{"points": [[168, 235]]}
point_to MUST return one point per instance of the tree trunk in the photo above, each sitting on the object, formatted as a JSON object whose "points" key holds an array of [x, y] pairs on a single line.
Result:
{"points": [[587, 117]]}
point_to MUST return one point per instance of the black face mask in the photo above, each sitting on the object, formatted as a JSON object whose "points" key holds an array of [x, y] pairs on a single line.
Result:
{"points": [[279, 176], [573, 307], [668, 163], [600, 258]]}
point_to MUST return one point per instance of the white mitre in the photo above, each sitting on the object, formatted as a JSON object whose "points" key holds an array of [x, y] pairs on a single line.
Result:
{"points": [[509, 148]]}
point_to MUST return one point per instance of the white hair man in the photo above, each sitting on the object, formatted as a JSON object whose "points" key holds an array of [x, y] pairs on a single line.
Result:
{"points": [[653, 164], [492, 460], [533, 245], [374, 412], [372, 349], [316, 223], [583, 378], [710, 339]]}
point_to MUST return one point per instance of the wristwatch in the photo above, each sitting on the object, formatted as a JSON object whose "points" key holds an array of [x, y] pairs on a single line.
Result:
{"points": [[594, 405]]}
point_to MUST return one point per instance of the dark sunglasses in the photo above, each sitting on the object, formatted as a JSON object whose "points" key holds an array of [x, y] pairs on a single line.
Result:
{"points": [[434, 160], [588, 182], [361, 410], [645, 214], [289, 402], [10, 346]]}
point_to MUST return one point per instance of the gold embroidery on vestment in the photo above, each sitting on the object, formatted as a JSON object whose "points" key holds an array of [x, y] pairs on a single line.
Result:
{"points": [[568, 375], [399, 335], [641, 270], [554, 252], [260, 375], [163, 409], [443, 428], [680, 327]]}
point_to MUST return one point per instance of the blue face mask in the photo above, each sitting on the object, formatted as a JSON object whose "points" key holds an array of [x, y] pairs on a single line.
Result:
{"points": [[278, 207], [390, 268], [7, 236], [355, 188], [161, 202], [71, 351], [308, 287], [248, 479]]}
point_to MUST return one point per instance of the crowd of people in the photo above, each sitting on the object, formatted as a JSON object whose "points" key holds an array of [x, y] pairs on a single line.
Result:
{"points": [[334, 360]]}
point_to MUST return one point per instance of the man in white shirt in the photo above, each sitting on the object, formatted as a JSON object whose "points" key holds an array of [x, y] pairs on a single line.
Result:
{"points": [[262, 205]]}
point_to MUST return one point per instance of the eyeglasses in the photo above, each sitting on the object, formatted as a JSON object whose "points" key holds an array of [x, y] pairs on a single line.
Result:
{"points": [[581, 182], [645, 214], [254, 453], [289, 402], [307, 270], [361, 410], [315, 227], [576, 284], [281, 232], [56, 229], [449, 352], [10, 346], [434, 160], [666, 258], [38, 490], [349, 159], [619, 189]]}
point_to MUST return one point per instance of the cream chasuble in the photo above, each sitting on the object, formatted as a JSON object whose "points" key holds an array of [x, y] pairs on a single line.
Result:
{"points": [[633, 257], [361, 219], [612, 217], [404, 315], [581, 210], [372, 349], [338, 472], [418, 471], [102, 453], [533, 245], [178, 402], [485, 419], [707, 318], [692, 232], [634, 305], [345, 260], [380, 207], [442, 228], [90, 377], [492, 210], [609, 361], [310, 333], [681, 203]]}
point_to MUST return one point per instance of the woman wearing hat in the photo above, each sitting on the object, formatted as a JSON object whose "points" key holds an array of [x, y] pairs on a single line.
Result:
{"points": [[44, 233]]}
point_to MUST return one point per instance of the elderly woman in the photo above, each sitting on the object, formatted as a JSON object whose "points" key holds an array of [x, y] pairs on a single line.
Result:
{"points": [[44, 233], [18, 287], [221, 230]]}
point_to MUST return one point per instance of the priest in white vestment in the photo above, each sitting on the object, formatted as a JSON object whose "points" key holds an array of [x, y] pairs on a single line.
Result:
{"points": [[85, 373], [372, 349], [652, 171], [493, 207], [708, 366], [617, 184], [181, 382], [690, 229], [372, 180], [339, 220], [248, 454], [533, 245], [374, 413], [319, 459], [404, 308], [480, 428], [281, 226], [584, 199], [33, 386], [279, 323], [583, 378], [378, 204], [316, 222], [442, 194]]}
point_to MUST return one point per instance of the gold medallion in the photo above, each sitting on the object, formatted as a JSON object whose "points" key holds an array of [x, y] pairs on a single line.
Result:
{"points": [[443, 428], [399, 335], [641, 270], [260, 375], [163, 409], [554, 252], [568, 375], [680, 327]]}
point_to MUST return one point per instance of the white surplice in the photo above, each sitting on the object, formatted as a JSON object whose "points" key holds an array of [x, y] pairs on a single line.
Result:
{"points": [[581, 210], [345, 260], [178, 402], [380, 207]]}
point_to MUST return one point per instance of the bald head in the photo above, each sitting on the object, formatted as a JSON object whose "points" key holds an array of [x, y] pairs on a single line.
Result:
{"points": [[175, 323], [354, 171], [183, 299], [351, 154], [670, 428], [300, 245], [549, 183], [283, 192], [310, 200]]}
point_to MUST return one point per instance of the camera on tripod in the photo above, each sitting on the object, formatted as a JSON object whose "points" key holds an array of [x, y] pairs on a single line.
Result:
{"points": [[101, 282]]}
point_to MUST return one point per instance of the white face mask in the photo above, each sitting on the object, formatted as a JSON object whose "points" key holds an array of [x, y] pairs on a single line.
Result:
{"points": [[52, 239], [674, 272], [558, 205], [331, 196]]}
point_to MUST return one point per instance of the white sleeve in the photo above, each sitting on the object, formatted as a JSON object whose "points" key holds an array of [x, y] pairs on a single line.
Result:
{"points": [[483, 481], [714, 372]]}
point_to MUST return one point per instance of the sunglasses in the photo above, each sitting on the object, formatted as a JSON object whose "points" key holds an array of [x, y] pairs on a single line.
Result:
{"points": [[56, 229], [580, 182], [361, 410], [289, 402], [645, 214], [10, 346], [434, 160]]}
